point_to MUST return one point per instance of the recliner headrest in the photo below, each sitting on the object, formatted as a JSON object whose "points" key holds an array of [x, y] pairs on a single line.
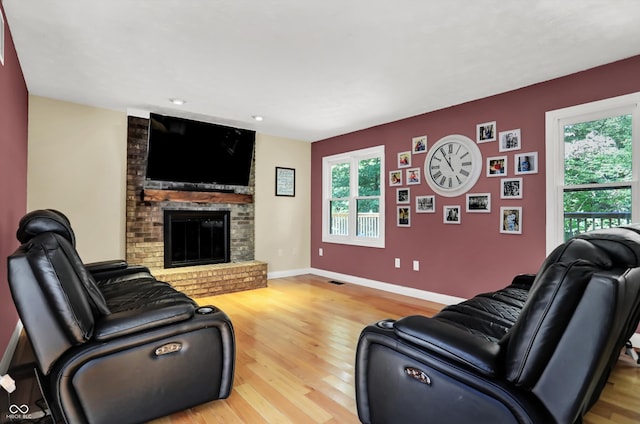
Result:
{"points": [[44, 221]]}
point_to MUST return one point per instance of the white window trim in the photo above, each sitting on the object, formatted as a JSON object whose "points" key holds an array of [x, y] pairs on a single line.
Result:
{"points": [[555, 121], [353, 157]]}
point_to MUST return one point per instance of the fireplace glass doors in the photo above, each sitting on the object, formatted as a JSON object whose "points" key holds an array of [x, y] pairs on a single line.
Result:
{"points": [[196, 237]]}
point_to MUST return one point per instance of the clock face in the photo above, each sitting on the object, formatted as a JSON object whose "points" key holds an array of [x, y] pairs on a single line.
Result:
{"points": [[453, 165]]}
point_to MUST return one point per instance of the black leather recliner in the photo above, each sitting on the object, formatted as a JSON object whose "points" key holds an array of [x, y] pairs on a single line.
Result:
{"points": [[112, 343], [537, 351]]}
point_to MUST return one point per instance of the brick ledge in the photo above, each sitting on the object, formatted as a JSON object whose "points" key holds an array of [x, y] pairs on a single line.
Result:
{"points": [[210, 280]]}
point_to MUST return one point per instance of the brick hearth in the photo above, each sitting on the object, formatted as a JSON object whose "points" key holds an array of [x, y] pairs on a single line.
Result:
{"points": [[145, 221]]}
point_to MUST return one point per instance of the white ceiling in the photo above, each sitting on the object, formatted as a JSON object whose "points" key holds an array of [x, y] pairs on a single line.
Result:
{"points": [[313, 69]]}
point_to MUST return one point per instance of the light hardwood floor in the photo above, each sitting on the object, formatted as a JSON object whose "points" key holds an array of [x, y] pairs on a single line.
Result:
{"points": [[296, 344]]}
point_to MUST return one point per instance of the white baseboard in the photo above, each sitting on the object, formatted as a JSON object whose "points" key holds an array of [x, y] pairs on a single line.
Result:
{"points": [[392, 288], [288, 273], [11, 348]]}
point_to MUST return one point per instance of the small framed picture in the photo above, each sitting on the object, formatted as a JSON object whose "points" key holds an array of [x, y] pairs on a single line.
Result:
{"points": [[404, 216], [403, 196], [419, 144], [404, 159], [486, 132], [497, 166], [425, 204], [395, 178], [479, 202], [451, 214], [509, 140], [413, 176], [526, 163], [285, 182], [511, 188], [511, 219]]}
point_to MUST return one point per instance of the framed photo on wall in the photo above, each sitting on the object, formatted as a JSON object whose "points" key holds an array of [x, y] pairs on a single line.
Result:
{"points": [[285, 182], [403, 196], [425, 204], [419, 144], [511, 188], [479, 202], [404, 216], [395, 178], [526, 163], [486, 132], [509, 140], [511, 219], [451, 214], [413, 176], [404, 159], [497, 166]]}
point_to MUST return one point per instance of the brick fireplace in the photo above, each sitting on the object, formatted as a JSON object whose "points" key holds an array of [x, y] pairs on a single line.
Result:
{"points": [[145, 227]]}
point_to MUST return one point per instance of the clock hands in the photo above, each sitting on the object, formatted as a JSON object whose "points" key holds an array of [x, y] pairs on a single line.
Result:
{"points": [[446, 160]]}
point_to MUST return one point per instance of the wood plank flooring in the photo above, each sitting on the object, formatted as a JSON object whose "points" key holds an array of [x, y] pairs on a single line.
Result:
{"points": [[296, 344]]}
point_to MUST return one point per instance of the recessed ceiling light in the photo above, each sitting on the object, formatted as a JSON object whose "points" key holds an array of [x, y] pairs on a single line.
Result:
{"points": [[177, 101], [257, 117]]}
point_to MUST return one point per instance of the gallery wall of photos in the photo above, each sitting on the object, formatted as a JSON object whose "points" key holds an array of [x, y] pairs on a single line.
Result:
{"points": [[509, 169]]}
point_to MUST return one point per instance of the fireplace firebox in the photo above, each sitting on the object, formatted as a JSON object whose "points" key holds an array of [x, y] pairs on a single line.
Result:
{"points": [[196, 237]]}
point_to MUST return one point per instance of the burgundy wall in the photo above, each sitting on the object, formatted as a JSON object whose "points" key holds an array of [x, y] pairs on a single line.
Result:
{"points": [[466, 259], [13, 172]]}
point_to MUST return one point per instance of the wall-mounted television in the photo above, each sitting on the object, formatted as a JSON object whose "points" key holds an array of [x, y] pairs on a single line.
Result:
{"points": [[185, 151]]}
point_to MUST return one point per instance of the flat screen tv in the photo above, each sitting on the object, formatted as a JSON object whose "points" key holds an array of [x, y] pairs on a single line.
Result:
{"points": [[185, 151]]}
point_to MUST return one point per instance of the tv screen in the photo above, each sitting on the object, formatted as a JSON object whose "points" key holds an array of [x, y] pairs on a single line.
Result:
{"points": [[185, 151]]}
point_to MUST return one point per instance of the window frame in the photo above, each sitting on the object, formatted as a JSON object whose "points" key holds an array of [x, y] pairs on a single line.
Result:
{"points": [[555, 122], [353, 157]]}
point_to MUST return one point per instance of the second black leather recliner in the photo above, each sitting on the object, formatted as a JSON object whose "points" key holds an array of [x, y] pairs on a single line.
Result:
{"points": [[538, 351]]}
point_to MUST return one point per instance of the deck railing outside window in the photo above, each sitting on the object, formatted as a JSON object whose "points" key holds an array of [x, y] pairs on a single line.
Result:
{"points": [[368, 224], [580, 222]]}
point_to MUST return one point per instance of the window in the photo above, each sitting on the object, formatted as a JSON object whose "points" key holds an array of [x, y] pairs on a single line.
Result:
{"points": [[592, 181], [353, 198]]}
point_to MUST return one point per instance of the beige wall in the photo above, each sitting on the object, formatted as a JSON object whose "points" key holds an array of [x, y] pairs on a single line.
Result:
{"points": [[77, 164], [282, 223]]}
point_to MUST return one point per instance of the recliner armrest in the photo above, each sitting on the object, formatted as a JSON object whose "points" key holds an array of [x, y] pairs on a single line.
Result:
{"points": [[127, 322], [102, 266], [450, 341]]}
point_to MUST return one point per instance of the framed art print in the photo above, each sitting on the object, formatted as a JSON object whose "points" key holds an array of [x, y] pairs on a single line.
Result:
{"points": [[285, 182]]}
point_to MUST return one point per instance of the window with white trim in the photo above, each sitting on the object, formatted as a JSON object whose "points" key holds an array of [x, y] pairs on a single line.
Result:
{"points": [[592, 159], [353, 197]]}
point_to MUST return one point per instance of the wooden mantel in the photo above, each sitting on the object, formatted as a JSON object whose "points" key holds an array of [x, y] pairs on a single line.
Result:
{"points": [[152, 195]]}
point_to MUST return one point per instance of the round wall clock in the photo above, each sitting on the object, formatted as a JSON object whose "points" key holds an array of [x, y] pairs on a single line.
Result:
{"points": [[453, 165]]}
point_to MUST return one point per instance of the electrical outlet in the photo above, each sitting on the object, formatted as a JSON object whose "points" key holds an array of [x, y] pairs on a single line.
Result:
{"points": [[320, 252], [416, 265], [397, 262]]}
